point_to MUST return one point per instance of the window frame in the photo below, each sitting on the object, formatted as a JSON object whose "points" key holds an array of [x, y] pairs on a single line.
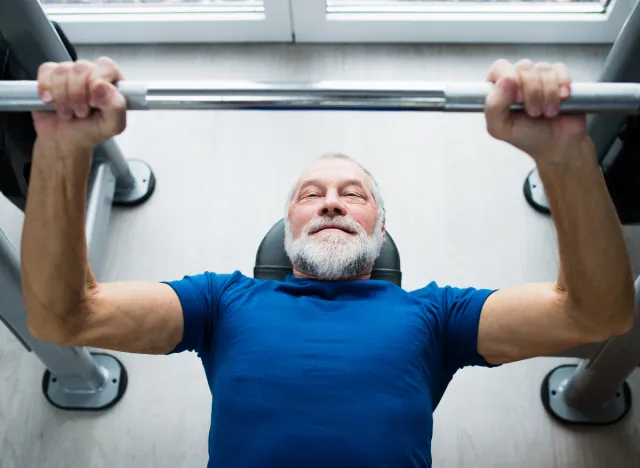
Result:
{"points": [[115, 24], [549, 25]]}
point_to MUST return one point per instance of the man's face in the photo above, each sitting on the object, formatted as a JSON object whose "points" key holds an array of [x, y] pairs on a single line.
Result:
{"points": [[333, 231]]}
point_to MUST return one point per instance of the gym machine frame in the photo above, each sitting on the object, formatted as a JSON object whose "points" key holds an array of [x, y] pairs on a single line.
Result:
{"points": [[593, 392]]}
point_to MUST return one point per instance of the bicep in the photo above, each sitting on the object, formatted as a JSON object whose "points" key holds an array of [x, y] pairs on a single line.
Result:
{"points": [[526, 321], [134, 317]]}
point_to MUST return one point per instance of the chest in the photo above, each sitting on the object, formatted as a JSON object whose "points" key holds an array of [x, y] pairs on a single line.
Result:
{"points": [[300, 340]]}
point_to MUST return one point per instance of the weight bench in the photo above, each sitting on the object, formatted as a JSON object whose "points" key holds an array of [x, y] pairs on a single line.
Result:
{"points": [[594, 392]]}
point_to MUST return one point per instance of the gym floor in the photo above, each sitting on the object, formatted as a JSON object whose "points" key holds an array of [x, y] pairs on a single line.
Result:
{"points": [[456, 211]]}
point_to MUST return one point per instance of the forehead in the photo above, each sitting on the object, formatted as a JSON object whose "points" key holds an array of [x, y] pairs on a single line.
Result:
{"points": [[333, 171]]}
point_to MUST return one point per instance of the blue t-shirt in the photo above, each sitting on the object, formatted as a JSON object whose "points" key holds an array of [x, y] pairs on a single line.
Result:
{"points": [[308, 373]]}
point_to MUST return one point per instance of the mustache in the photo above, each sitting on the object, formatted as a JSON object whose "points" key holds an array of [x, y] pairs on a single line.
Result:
{"points": [[342, 222]]}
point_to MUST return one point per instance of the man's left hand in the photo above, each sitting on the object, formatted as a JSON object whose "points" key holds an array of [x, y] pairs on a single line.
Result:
{"points": [[540, 130]]}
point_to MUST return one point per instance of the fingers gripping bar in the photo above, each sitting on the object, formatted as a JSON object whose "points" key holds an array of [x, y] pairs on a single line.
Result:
{"points": [[620, 98]]}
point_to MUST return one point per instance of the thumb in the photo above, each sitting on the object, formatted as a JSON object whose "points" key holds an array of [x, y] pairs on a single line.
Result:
{"points": [[498, 108]]}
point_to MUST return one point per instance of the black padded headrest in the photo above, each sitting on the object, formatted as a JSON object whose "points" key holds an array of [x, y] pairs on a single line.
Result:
{"points": [[272, 262]]}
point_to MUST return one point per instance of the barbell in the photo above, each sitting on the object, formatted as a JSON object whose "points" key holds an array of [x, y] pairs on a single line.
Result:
{"points": [[619, 98]]}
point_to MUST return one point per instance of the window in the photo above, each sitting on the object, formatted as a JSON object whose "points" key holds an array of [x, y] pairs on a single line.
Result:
{"points": [[133, 21], [443, 21], [457, 21], [465, 6]]}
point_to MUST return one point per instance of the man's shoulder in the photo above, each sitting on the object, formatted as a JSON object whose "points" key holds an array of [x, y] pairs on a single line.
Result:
{"points": [[448, 296], [210, 282], [431, 291], [208, 277]]}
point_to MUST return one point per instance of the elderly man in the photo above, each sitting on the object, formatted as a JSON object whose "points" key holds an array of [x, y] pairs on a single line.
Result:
{"points": [[329, 367]]}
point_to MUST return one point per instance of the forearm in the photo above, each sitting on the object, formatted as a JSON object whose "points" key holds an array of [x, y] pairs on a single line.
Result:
{"points": [[54, 257], [595, 273]]}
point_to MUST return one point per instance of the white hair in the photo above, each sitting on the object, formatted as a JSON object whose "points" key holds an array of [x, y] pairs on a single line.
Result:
{"points": [[373, 183]]}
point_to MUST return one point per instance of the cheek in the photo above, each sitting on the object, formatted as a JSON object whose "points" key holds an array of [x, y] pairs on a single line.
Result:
{"points": [[367, 219], [299, 218]]}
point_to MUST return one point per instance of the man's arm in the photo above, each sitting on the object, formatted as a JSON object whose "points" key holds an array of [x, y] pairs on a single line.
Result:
{"points": [[64, 302], [593, 297]]}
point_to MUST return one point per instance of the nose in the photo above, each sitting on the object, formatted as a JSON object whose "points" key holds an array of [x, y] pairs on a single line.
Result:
{"points": [[332, 206]]}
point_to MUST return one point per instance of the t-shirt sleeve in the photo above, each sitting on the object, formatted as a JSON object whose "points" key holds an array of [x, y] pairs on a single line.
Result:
{"points": [[462, 308], [201, 298], [455, 315]]}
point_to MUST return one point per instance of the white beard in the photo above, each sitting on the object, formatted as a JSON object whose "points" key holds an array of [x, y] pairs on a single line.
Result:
{"points": [[333, 255]]}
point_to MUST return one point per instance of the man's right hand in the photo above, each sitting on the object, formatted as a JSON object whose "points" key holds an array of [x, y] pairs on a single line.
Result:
{"points": [[89, 109]]}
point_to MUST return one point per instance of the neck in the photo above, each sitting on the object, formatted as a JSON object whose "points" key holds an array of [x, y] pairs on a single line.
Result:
{"points": [[298, 274]]}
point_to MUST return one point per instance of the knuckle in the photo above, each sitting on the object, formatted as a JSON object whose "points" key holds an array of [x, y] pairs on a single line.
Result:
{"points": [[502, 68], [543, 66], [533, 95], [61, 70], [77, 95], [81, 66], [525, 64], [106, 63], [551, 99], [513, 76], [501, 63], [530, 85], [45, 67], [537, 91], [562, 70]]}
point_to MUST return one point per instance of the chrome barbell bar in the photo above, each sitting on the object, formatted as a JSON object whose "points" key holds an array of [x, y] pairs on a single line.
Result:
{"points": [[619, 98]]}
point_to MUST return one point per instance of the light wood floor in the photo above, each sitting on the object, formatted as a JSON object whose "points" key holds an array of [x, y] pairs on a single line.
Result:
{"points": [[456, 210]]}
